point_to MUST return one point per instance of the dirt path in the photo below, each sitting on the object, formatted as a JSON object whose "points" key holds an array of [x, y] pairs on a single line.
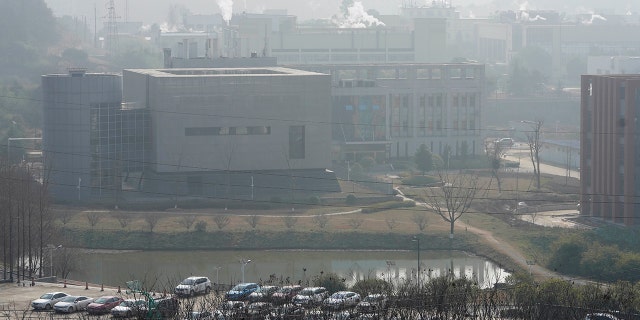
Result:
{"points": [[510, 251], [501, 246]]}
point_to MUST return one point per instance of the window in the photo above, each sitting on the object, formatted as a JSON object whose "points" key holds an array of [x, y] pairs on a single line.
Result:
{"points": [[296, 142]]}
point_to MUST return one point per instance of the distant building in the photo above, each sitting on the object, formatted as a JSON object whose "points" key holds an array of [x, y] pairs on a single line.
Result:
{"points": [[213, 133], [90, 139], [610, 148], [387, 111], [613, 65]]}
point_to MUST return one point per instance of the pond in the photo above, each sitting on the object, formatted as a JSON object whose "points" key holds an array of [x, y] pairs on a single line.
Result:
{"points": [[166, 268]]}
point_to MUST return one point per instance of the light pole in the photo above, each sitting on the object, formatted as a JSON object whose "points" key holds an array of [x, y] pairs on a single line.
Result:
{"points": [[217, 278], [252, 187], [51, 248], [417, 240], [244, 262]]}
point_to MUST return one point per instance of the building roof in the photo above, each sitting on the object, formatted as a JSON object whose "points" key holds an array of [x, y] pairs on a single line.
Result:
{"points": [[222, 72]]}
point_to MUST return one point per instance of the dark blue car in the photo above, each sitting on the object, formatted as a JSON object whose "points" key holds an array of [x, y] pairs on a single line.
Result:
{"points": [[241, 291]]}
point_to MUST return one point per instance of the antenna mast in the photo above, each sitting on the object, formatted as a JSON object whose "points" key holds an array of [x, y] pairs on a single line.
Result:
{"points": [[112, 28]]}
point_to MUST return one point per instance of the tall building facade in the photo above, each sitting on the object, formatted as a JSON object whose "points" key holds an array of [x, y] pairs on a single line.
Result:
{"points": [[387, 111], [235, 132], [610, 147], [90, 139]]}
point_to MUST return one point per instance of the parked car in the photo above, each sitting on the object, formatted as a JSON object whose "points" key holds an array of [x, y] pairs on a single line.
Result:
{"points": [[600, 316], [259, 310], [505, 143], [285, 294], [263, 294], [103, 304], [193, 285], [241, 291], [341, 300], [287, 311], [71, 304], [310, 296], [47, 300], [164, 308], [373, 303], [199, 315], [229, 310], [130, 308]]}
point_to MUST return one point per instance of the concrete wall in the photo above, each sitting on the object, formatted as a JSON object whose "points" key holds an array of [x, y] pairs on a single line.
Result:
{"points": [[277, 101]]}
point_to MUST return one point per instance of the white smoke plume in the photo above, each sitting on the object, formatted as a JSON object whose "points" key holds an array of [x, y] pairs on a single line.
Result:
{"points": [[593, 18], [226, 9], [357, 17], [525, 16]]}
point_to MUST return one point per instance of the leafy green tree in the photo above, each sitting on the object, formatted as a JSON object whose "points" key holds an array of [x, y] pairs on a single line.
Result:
{"points": [[567, 254], [423, 159]]}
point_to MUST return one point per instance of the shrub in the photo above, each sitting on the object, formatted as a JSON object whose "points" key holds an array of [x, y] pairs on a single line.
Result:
{"points": [[314, 200], [351, 199], [420, 180], [331, 281], [383, 206], [201, 226]]}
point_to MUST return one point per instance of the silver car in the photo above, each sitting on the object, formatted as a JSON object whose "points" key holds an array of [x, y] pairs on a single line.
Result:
{"points": [[130, 308], [47, 300], [71, 304]]}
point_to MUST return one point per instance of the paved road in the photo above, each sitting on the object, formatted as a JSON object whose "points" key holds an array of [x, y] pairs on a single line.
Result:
{"points": [[527, 166]]}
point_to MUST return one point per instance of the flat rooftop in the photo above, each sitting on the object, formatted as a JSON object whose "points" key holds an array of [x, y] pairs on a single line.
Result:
{"points": [[222, 72]]}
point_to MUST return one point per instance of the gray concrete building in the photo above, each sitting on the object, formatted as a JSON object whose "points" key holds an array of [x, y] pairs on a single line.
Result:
{"points": [[90, 140], [235, 133]]}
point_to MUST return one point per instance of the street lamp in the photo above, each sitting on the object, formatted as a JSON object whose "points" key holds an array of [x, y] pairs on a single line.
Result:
{"points": [[244, 262], [417, 240], [51, 248]]}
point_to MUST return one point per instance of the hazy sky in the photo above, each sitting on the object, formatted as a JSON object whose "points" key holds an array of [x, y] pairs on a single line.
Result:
{"points": [[150, 11]]}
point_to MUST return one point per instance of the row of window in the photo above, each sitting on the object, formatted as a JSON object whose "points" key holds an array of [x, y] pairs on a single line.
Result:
{"points": [[226, 131]]}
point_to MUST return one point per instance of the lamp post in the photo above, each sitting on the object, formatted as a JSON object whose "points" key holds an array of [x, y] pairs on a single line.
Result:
{"points": [[417, 240], [51, 248], [244, 262]]}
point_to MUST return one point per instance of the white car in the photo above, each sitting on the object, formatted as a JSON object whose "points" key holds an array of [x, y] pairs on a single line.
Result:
{"points": [[192, 285], [130, 308], [373, 303], [47, 300], [71, 304], [341, 299], [310, 296]]}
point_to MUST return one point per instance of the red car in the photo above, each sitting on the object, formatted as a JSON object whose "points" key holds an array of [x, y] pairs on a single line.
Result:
{"points": [[103, 304]]}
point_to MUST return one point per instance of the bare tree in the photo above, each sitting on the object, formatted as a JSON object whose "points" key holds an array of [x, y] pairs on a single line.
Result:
{"points": [[123, 219], [454, 197], [391, 223], [355, 222], [289, 221], [66, 261], [229, 157], [495, 151], [152, 221], [93, 218], [321, 220], [420, 219], [65, 216], [253, 220], [187, 221], [221, 220], [535, 146]]}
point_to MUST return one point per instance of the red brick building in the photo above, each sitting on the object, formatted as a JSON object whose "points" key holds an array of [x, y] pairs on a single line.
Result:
{"points": [[610, 147]]}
